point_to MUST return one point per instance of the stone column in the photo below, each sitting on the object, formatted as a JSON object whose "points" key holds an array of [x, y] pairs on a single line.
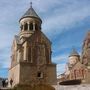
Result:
{"points": [[33, 26], [23, 26], [25, 52], [28, 26]]}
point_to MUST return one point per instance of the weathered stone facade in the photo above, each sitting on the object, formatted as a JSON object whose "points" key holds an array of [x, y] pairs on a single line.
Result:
{"points": [[78, 67], [86, 56], [31, 53], [86, 51], [75, 69]]}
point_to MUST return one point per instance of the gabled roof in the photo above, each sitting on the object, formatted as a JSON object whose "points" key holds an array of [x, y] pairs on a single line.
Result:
{"points": [[17, 38], [74, 53], [46, 37], [31, 13]]}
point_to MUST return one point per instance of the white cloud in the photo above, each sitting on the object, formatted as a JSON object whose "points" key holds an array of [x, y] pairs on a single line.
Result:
{"points": [[59, 22]]}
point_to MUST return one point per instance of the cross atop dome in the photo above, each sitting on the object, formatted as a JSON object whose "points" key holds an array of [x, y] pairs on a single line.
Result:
{"points": [[31, 13], [31, 4]]}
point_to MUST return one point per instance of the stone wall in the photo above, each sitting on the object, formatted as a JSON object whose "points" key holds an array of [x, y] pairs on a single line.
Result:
{"points": [[51, 74], [27, 73], [14, 74]]}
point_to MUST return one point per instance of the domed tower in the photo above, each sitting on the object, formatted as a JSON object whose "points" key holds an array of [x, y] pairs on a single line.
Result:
{"points": [[31, 53], [29, 23], [74, 57]]}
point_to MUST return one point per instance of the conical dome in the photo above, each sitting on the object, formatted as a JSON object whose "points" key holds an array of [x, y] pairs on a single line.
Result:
{"points": [[30, 22], [31, 13], [74, 53]]}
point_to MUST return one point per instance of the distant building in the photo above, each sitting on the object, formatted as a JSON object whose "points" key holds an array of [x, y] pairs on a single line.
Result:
{"points": [[31, 53], [75, 69], [78, 67]]}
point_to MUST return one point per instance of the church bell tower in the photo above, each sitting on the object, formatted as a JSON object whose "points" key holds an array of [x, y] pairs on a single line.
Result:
{"points": [[29, 23], [31, 53]]}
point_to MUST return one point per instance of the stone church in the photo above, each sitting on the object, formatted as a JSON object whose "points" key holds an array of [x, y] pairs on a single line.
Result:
{"points": [[31, 53], [78, 67]]}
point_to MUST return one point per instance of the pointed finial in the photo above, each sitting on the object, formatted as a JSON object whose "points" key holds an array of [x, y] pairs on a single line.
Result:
{"points": [[31, 4]]}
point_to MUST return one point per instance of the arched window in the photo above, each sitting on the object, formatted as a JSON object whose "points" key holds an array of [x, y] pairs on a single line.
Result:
{"points": [[30, 26], [36, 27], [26, 26]]}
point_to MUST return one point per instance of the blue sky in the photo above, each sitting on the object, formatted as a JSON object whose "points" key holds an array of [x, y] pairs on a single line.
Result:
{"points": [[65, 22]]}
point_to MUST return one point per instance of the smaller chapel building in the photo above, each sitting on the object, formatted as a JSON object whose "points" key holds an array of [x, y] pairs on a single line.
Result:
{"points": [[75, 70], [78, 67]]}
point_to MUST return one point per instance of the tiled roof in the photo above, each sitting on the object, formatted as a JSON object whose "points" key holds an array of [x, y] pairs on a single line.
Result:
{"points": [[31, 13], [74, 53]]}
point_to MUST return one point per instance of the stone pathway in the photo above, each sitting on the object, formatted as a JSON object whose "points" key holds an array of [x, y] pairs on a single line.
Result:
{"points": [[73, 87]]}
